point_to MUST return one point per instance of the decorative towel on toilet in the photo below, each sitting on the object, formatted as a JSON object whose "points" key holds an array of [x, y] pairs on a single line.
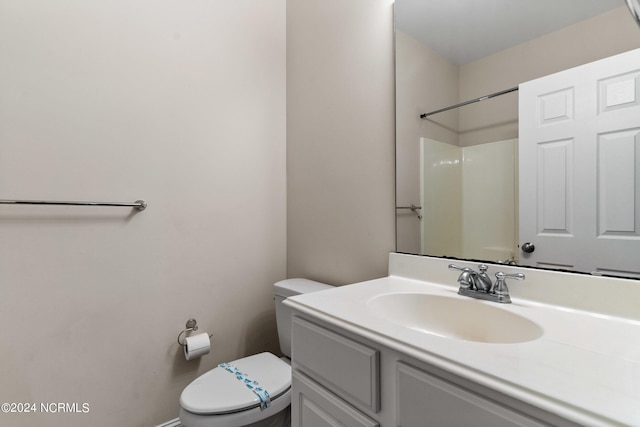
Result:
{"points": [[254, 386]]}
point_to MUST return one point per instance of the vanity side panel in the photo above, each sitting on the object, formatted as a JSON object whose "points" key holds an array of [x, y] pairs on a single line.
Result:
{"points": [[349, 368]]}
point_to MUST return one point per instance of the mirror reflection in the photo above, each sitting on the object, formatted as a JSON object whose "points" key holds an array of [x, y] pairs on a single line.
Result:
{"points": [[459, 172]]}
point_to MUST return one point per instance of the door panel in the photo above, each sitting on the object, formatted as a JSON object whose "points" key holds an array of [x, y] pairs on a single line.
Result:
{"points": [[580, 167]]}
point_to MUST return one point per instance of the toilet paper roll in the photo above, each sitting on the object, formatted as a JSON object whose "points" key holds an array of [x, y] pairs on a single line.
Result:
{"points": [[196, 346]]}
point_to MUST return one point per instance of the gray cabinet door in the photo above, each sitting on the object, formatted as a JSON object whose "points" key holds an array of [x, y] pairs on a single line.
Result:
{"points": [[347, 368], [313, 406], [427, 401]]}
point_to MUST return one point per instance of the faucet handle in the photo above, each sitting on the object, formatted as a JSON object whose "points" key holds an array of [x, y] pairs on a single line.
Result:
{"points": [[500, 289], [455, 267], [466, 278], [517, 276]]}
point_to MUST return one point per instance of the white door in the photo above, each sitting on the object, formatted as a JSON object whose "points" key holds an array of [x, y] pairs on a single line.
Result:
{"points": [[580, 167]]}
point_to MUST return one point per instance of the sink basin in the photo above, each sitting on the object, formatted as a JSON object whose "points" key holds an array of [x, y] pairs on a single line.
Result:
{"points": [[458, 318]]}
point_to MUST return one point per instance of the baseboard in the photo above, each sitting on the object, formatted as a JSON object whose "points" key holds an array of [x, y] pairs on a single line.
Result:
{"points": [[172, 423]]}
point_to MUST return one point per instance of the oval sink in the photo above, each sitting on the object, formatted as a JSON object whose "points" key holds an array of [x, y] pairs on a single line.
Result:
{"points": [[463, 319]]}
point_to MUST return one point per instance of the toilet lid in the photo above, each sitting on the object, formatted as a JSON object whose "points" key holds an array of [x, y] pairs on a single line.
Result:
{"points": [[219, 391]]}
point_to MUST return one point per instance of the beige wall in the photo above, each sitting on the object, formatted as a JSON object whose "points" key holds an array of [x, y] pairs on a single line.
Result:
{"points": [[340, 139], [178, 103]]}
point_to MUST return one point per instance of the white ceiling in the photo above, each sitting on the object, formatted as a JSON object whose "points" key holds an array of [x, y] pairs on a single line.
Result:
{"points": [[466, 30]]}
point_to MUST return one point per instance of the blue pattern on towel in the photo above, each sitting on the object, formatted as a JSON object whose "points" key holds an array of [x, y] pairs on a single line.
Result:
{"points": [[254, 386]]}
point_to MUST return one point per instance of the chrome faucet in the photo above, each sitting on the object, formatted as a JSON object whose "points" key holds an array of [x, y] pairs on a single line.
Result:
{"points": [[478, 284]]}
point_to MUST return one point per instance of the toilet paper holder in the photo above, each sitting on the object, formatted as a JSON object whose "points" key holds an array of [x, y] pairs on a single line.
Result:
{"points": [[190, 326]]}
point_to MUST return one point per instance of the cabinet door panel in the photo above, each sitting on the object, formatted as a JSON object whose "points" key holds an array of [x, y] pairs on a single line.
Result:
{"points": [[427, 401], [344, 366], [313, 406]]}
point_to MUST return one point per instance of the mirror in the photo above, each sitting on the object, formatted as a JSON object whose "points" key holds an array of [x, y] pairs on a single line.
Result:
{"points": [[449, 52]]}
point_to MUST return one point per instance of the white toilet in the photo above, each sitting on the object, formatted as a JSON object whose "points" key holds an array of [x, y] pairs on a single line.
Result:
{"points": [[221, 398]]}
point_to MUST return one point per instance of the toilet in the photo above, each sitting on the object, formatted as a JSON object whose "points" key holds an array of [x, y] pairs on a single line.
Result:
{"points": [[221, 398]]}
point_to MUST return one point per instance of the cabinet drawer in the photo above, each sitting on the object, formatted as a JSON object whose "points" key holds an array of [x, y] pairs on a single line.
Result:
{"points": [[312, 406], [346, 367]]}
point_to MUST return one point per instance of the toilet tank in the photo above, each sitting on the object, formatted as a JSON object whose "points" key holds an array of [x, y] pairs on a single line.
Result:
{"points": [[287, 288]]}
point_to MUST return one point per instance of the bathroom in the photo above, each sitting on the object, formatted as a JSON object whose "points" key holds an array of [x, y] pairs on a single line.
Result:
{"points": [[182, 105], [242, 124]]}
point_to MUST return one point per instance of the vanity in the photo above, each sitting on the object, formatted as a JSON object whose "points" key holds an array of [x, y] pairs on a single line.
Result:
{"points": [[407, 350]]}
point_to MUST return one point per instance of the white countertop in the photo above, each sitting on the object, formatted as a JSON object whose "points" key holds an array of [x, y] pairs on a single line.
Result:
{"points": [[585, 367]]}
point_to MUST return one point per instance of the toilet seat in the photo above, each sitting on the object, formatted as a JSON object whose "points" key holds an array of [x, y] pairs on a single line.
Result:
{"points": [[220, 392]]}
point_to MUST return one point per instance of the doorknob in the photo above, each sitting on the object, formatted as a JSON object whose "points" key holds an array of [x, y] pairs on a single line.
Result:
{"points": [[528, 247]]}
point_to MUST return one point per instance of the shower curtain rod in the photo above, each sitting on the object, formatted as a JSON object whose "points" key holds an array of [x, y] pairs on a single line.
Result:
{"points": [[482, 98]]}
